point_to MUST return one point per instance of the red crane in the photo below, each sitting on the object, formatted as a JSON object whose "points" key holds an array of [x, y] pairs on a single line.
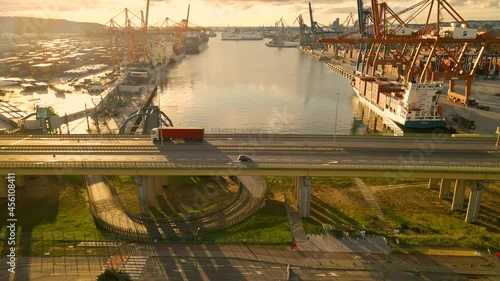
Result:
{"points": [[432, 53]]}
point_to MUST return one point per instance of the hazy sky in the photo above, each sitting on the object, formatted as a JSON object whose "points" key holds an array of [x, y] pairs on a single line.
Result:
{"points": [[224, 12]]}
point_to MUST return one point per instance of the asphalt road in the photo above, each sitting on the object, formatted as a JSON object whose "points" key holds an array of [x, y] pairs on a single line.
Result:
{"points": [[264, 151]]}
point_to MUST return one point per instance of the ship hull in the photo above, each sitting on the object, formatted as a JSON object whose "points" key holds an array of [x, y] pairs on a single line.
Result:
{"points": [[282, 45], [419, 124], [196, 48], [177, 56], [240, 37]]}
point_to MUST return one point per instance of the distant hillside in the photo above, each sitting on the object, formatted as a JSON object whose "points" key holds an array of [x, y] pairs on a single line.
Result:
{"points": [[40, 25]]}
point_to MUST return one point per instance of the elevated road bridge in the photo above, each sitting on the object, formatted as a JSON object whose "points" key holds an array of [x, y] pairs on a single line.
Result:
{"points": [[291, 155], [441, 159]]}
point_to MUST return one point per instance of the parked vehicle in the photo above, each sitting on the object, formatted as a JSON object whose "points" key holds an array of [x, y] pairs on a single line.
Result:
{"points": [[184, 133]]}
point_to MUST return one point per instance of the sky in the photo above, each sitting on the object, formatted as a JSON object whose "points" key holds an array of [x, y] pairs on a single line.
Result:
{"points": [[225, 12]]}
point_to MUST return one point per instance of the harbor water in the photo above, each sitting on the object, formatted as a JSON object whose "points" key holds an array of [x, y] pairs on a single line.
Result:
{"points": [[244, 86]]}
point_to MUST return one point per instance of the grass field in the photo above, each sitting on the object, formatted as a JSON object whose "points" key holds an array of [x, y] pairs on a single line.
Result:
{"points": [[48, 206], [268, 225], [409, 206], [182, 196], [424, 219], [56, 206]]}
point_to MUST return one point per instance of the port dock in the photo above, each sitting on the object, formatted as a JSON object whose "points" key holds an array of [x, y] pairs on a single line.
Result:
{"points": [[486, 93]]}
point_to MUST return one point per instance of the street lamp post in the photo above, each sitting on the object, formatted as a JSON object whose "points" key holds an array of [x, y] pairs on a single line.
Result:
{"points": [[386, 257], [159, 118], [196, 234], [195, 256], [498, 139], [336, 115]]}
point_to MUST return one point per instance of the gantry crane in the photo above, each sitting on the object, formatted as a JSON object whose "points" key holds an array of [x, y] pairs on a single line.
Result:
{"points": [[348, 21], [432, 53], [180, 28], [129, 40], [282, 32], [309, 35]]}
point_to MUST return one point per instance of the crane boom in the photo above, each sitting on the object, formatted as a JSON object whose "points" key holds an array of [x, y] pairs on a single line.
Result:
{"points": [[147, 15], [311, 18]]}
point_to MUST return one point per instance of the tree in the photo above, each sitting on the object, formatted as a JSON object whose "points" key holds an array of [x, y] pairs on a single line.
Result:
{"points": [[113, 275]]}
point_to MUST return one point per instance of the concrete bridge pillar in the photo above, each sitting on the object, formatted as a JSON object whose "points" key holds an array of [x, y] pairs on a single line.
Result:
{"points": [[3, 187], [433, 183], [458, 196], [475, 200], [160, 181], [146, 193], [303, 193], [150, 186], [141, 193], [445, 188]]}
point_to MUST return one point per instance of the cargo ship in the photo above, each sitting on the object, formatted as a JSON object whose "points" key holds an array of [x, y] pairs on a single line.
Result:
{"points": [[212, 34], [282, 44], [237, 35], [178, 53], [195, 42], [412, 105]]}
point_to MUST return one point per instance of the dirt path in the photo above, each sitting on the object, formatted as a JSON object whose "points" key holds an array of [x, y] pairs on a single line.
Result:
{"points": [[372, 203]]}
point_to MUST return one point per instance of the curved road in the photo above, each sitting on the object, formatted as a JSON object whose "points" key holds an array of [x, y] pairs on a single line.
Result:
{"points": [[112, 216]]}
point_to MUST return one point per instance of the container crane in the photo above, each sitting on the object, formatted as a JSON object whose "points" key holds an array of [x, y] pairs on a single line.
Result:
{"points": [[304, 32], [316, 31], [433, 53]]}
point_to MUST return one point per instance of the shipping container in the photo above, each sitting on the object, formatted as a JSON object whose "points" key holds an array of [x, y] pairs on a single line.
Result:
{"points": [[185, 133], [382, 100], [362, 88]]}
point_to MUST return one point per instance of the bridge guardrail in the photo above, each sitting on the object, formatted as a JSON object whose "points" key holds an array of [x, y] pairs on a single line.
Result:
{"points": [[258, 135], [97, 165]]}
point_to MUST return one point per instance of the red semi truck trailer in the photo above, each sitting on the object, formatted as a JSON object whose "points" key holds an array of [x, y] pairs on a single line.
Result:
{"points": [[185, 133]]}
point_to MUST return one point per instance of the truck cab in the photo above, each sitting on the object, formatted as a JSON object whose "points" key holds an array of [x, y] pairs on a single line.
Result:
{"points": [[155, 136]]}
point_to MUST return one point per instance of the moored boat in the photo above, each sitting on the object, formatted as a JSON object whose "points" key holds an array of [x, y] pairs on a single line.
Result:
{"points": [[195, 42], [178, 53], [237, 35], [282, 44], [412, 105]]}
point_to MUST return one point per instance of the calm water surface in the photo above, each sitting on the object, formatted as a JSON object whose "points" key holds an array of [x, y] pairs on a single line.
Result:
{"points": [[245, 86]]}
